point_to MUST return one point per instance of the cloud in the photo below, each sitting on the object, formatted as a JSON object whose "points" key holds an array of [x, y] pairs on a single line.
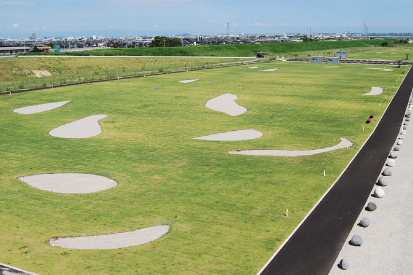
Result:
{"points": [[16, 3], [16, 25], [155, 26], [257, 24], [235, 24]]}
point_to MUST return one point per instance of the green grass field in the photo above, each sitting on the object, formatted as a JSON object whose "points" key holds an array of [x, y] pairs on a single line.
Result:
{"points": [[391, 53], [226, 212]]}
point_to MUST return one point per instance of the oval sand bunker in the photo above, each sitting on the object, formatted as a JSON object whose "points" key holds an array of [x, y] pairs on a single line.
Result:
{"points": [[40, 108], [286, 153], [188, 81], [82, 128], [113, 241], [233, 136], [69, 183], [375, 91], [226, 103]]}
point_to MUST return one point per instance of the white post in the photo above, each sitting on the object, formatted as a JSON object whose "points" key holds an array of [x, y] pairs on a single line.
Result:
{"points": [[287, 213], [363, 129], [324, 173]]}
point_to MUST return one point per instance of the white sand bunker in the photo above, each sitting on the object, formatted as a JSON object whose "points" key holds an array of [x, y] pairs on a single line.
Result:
{"points": [[82, 128], [254, 67], [386, 70], [375, 91], [233, 136], [269, 70], [69, 183], [226, 103], [41, 73], [40, 108], [331, 66], [286, 153], [113, 241], [188, 81]]}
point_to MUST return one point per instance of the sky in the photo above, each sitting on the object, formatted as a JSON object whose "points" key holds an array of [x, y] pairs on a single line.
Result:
{"points": [[19, 19]]}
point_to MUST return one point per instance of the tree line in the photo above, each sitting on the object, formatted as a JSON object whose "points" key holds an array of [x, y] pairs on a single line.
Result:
{"points": [[163, 41]]}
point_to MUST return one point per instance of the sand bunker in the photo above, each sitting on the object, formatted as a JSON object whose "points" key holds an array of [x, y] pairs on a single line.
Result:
{"points": [[255, 67], [40, 108], [69, 183], [226, 103], [113, 241], [41, 73], [285, 153], [375, 91], [188, 81], [269, 70], [233, 136], [82, 128], [386, 70]]}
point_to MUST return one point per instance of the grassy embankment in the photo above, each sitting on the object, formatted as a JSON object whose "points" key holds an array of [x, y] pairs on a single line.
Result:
{"points": [[228, 50], [19, 74], [226, 212], [16, 74]]}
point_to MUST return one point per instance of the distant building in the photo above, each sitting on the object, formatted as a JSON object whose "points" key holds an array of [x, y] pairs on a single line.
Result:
{"points": [[33, 37], [317, 59], [94, 36]]}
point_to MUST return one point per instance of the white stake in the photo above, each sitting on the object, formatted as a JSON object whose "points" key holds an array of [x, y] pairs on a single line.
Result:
{"points": [[287, 213], [363, 129], [324, 173]]}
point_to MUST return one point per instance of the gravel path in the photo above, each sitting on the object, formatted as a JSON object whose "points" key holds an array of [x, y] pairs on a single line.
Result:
{"points": [[388, 240]]}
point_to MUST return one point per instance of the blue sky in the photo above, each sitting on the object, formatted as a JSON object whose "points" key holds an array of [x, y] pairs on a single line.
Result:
{"points": [[137, 17]]}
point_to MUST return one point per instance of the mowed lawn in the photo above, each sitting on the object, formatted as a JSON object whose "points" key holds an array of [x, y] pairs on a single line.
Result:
{"points": [[226, 212], [393, 54]]}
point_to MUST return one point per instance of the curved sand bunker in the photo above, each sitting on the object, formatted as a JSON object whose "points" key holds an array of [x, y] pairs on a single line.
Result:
{"points": [[113, 241], [226, 103], [40, 108], [285, 153], [69, 183], [233, 136], [188, 81], [82, 128], [254, 67], [375, 91], [269, 70]]}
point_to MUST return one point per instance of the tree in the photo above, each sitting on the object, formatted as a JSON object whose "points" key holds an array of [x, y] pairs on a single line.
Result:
{"points": [[399, 62], [163, 41], [36, 49], [307, 39]]}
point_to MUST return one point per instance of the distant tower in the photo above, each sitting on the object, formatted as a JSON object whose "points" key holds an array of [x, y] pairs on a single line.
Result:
{"points": [[94, 37], [34, 36], [365, 31], [188, 32], [228, 30]]}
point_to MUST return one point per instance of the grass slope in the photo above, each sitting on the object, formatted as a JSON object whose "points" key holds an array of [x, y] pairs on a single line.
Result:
{"points": [[226, 212], [19, 73], [226, 50]]}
